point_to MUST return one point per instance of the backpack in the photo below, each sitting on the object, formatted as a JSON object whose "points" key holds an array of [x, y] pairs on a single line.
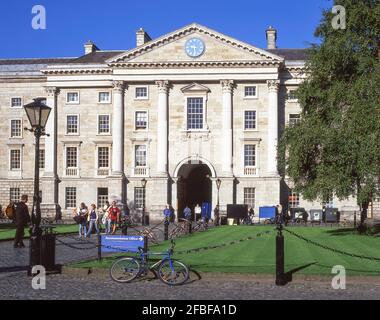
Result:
{"points": [[10, 211]]}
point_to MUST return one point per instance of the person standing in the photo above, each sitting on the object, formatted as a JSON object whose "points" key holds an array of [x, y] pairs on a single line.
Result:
{"points": [[114, 213], [216, 215], [82, 212], [22, 219], [93, 220], [197, 211], [187, 213], [106, 220]]}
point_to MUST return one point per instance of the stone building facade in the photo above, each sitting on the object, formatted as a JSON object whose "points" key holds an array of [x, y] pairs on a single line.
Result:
{"points": [[160, 123]]}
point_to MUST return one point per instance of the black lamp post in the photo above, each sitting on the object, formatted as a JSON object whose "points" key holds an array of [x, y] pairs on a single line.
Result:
{"points": [[218, 183], [38, 114], [143, 184]]}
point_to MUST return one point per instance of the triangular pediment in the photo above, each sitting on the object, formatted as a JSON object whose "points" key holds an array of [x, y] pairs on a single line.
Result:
{"points": [[195, 87], [170, 48]]}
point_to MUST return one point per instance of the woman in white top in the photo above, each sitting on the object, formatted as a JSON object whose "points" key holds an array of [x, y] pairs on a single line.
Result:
{"points": [[106, 220]]}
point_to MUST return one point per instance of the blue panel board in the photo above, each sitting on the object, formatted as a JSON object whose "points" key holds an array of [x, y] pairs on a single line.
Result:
{"points": [[117, 243], [267, 212], [206, 210]]}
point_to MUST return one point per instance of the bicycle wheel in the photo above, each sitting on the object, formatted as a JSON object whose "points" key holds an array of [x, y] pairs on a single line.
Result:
{"points": [[173, 272], [125, 270]]}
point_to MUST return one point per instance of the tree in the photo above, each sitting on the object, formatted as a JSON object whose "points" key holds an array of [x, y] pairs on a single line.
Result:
{"points": [[335, 148]]}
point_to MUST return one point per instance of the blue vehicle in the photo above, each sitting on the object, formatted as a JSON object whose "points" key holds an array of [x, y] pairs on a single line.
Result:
{"points": [[170, 271]]}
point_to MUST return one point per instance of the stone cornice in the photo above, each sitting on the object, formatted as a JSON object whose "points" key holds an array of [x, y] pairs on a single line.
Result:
{"points": [[186, 31], [198, 64], [70, 71]]}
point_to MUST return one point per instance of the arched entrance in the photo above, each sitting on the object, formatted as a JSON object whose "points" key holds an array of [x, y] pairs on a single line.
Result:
{"points": [[194, 186]]}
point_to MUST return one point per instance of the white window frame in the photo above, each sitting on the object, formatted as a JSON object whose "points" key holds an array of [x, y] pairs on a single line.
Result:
{"points": [[72, 102], [76, 197], [256, 121], [146, 155], [254, 195], [288, 93], [109, 94], [257, 157], [97, 157], [204, 102], [64, 158], [147, 120], [256, 96], [109, 125], [143, 190], [142, 98], [10, 128], [10, 159], [19, 193], [17, 107], [78, 121]]}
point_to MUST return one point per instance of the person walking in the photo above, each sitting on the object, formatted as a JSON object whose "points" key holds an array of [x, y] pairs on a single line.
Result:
{"points": [[114, 213], [82, 212], [22, 218], [93, 220], [216, 215]]}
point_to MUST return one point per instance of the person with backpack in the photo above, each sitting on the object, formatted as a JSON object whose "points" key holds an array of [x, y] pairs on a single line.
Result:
{"points": [[81, 219], [93, 220], [22, 218], [114, 213]]}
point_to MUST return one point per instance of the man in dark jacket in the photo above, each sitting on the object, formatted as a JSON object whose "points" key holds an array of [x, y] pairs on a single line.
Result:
{"points": [[22, 220]]}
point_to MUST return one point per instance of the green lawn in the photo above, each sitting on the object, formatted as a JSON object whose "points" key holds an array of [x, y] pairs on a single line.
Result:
{"points": [[7, 231], [258, 255]]}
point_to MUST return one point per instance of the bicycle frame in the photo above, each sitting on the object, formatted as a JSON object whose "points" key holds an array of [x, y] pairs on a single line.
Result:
{"points": [[143, 257]]}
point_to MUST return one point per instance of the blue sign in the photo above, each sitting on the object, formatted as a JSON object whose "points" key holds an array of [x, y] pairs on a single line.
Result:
{"points": [[267, 212], [206, 210], [117, 243]]}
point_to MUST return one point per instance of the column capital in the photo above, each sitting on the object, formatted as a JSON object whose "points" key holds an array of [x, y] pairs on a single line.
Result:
{"points": [[227, 85], [52, 91], [163, 86], [273, 85], [119, 86]]}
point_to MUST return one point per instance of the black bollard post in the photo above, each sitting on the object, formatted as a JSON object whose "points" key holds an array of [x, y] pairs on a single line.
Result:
{"points": [[99, 247], [280, 257], [166, 229], [355, 219], [190, 226]]}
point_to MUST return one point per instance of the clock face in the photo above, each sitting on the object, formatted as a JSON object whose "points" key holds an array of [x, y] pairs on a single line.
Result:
{"points": [[194, 47]]}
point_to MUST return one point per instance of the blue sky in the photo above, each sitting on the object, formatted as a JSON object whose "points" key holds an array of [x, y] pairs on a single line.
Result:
{"points": [[112, 24]]}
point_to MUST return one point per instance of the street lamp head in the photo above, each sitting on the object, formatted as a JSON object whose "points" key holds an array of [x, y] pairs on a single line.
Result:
{"points": [[218, 183], [143, 182], [38, 113]]}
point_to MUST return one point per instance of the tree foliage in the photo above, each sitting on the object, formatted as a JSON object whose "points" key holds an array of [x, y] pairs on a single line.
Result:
{"points": [[335, 148]]}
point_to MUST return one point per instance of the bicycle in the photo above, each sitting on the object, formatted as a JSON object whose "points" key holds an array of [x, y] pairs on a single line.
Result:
{"points": [[201, 226], [178, 231], [170, 271]]}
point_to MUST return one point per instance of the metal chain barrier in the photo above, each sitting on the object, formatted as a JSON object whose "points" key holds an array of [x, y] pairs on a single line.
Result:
{"points": [[331, 249]]}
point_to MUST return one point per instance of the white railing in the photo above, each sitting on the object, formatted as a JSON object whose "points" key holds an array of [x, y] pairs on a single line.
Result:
{"points": [[103, 172], [250, 171], [140, 171], [71, 172]]}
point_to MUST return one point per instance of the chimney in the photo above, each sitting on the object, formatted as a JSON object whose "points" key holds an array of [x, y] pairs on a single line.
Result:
{"points": [[271, 38], [142, 37], [90, 47]]}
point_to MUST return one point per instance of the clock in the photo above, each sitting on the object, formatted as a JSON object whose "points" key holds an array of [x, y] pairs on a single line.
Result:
{"points": [[194, 47]]}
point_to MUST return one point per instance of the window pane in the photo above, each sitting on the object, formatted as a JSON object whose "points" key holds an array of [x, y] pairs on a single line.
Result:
{"points": [[250, 155], [294, 119], [16, 102], [72, 97], [141, 120], [139, 197], [103, 157], [194, 113], [294, 199], [72, 124], [15, 159], [104, 124], [104, 96], [71, 197], [249, 197], [140, 156], [71, 157], [250, 91], [14, 194], [141, 92], [42, 159], [102, 197], [15, 128], [250, 119], [292, 95]]}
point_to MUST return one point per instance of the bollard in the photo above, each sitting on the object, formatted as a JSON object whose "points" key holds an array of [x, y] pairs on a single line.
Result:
{"points": [[190, 226], [355, 219], [99, 247], [166, 229], [280, 257]]}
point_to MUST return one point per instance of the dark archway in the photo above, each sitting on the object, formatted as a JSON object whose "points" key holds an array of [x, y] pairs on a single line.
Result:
{"points": [[194, 186]]}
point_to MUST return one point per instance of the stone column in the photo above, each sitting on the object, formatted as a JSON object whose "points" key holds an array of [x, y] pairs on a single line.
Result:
{"points": [[273, 86], [49, 180], [227, 89], [118, 128], [162, 128]]}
